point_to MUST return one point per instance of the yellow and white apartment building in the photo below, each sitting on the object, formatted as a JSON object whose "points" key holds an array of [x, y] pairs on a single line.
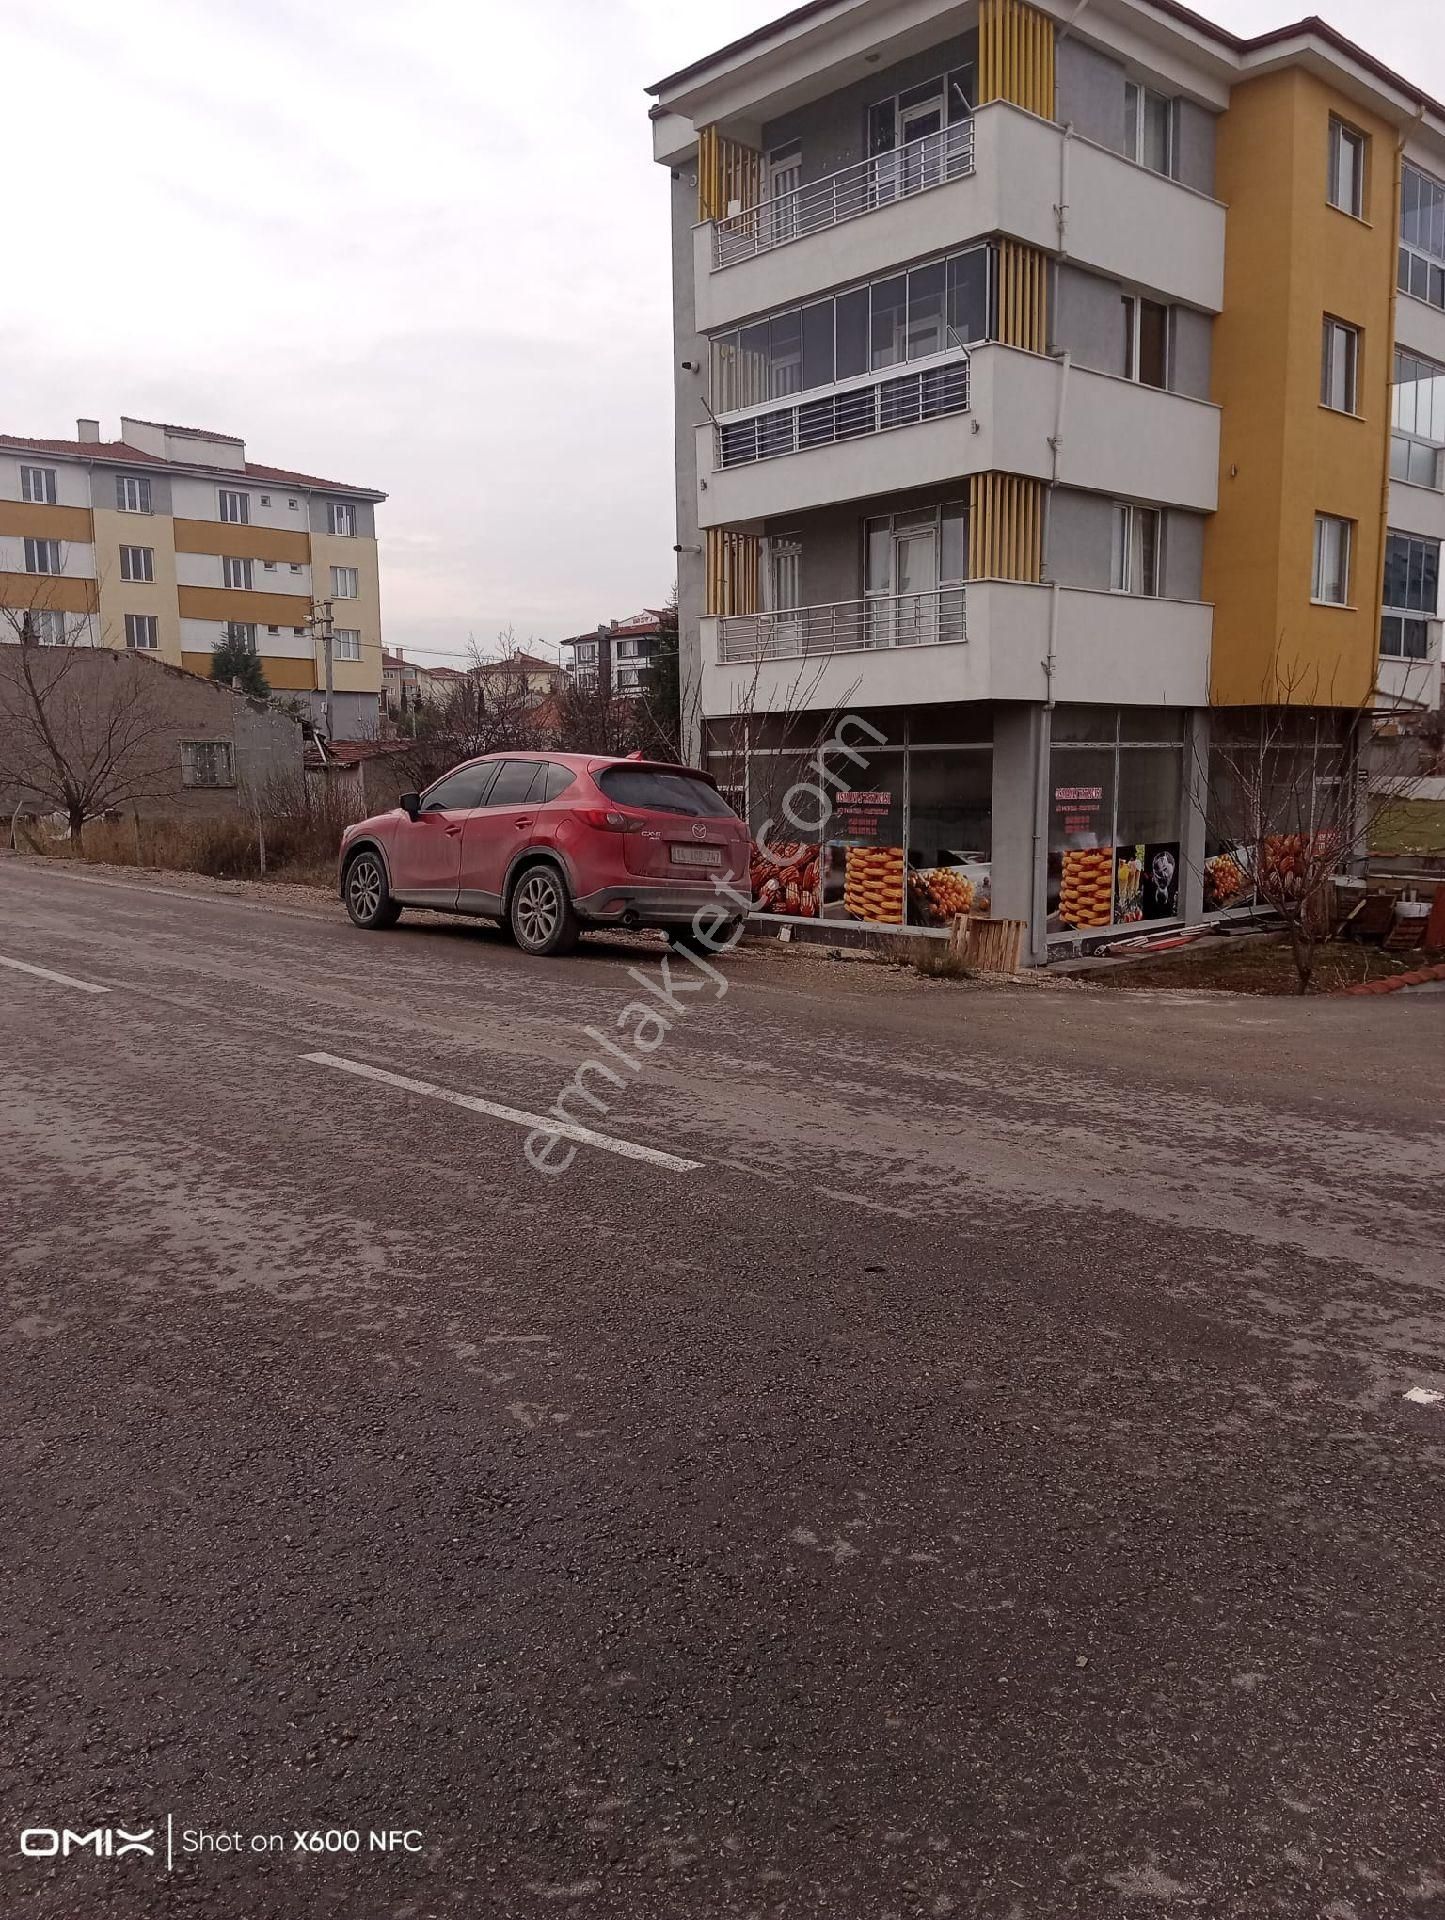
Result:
{"points": [[1060, 386], [168, 539]]}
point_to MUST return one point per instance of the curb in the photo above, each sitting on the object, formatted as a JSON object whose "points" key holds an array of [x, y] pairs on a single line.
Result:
{"points": [[1415, 979]]}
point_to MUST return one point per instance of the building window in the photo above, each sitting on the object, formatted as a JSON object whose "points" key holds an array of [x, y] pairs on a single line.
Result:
{"points": [[1348, 149], [1333, 541], [37, 484], [137, 563], [1146, 341], [1339, 367], [341, 518], [207, 763], [298, 632], [939, 305], [1417, 420], [346, 643], [240, 633], [47, 627], [235, 507], [140, 632], [344, 583], [1149, 128], [1411, 597], [132, 493], [235, 572], [292, 505], [294, 567], [784, 578], [1137, 548], [1422, 237], [42, 556]]}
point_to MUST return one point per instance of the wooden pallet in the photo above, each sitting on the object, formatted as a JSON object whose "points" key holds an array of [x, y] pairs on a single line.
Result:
{"points": [[993, 946]]}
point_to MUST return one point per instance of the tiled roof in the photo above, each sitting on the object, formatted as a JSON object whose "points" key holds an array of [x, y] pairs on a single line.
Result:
{"points": [[529, 662], [119, 452], [351, 753]]}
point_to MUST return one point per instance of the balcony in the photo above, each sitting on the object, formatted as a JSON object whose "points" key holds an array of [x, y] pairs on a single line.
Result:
{"points": [[990, 640], [1121, 219], [995, 408], [859, 189], [845, 626], [846, 412]]}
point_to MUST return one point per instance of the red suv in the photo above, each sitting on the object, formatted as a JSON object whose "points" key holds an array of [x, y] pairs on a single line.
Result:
{"points": [[549, 844]]}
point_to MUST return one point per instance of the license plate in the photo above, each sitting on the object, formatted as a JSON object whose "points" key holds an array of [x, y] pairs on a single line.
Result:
{"points": [[697, 856]]}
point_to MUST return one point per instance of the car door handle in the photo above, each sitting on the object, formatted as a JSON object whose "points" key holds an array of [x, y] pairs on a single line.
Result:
{"points": [[525, 823], [453, 832]]}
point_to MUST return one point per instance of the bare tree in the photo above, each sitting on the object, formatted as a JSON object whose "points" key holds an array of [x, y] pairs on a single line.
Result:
{"points": [[82, 727], [1291, 807]]}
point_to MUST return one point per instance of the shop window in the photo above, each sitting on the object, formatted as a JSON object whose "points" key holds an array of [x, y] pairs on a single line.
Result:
{"points": [[1114, 825], [950, 825]]}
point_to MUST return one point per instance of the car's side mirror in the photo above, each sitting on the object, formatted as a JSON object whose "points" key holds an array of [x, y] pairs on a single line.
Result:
{"points": [[410, 804]]}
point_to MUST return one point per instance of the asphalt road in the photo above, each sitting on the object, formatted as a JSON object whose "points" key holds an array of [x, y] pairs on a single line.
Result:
{"points": [[980, 1482]]}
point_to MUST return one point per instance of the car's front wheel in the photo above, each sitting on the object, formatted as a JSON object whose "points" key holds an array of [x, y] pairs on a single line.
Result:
{"points": [[541, 915], [368, 894]]}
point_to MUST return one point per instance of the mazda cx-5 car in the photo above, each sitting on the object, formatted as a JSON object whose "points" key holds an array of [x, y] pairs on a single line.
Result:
{"points": [[550, 844]]}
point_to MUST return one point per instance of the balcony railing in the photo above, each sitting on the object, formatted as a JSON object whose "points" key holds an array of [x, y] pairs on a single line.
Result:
{"points": [[927, 394], [859, 189], [845, 626]]}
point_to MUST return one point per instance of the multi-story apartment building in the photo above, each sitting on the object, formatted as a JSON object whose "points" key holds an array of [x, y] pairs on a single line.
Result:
{"points": [[168, 540], [1057, 385], [615, 656]]}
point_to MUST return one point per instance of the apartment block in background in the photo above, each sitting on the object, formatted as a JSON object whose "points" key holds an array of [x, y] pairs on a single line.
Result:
{"points": [[167, 540], [614, 656], [1058, 388]]}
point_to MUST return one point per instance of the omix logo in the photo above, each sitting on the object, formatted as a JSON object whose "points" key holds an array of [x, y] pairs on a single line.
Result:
{"points": [[106, 1843]]}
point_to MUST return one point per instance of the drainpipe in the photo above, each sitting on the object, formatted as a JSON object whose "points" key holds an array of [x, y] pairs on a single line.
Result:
{"points": [[1061, 211]]}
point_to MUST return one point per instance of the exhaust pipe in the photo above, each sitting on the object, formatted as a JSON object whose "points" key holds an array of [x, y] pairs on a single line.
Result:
{"points": [[632, 918]]}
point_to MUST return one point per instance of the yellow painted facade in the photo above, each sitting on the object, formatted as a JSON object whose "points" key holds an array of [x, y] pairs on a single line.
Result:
{"points": [[242, 542], [60, 593], [282, 675], [1291, 259], [119, 596], [362, 615], [26, 520]]}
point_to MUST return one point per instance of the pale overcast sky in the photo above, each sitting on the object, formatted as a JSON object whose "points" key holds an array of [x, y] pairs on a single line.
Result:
{"points": [[422, 247]]}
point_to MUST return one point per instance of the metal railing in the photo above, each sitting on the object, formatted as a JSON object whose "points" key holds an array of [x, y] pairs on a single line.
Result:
{"points": [[903, 401], [855, 190], [845, 626]]}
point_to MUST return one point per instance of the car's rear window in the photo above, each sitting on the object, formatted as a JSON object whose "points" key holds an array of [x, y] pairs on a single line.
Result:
{"points": [[662, 792]]}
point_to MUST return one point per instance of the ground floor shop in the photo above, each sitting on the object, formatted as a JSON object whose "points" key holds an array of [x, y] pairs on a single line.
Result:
{"points": [[1078, 820]]}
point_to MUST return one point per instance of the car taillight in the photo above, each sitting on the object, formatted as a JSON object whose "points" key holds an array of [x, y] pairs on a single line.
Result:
{"points": [[606, 821]]}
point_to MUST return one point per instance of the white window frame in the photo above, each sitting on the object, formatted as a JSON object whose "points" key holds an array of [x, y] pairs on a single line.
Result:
{"points": [[138, 564], [1340, 338], [346, 583], [1332, 527], [346, 643], [341, 519], [1344, 137], [1127, 559], [37, 485], [48, 626], [1138, 95], [233, 564], [207, 763], [243, 631], [146, 626], [39, 551], [133, 493], [1134, 304], [234, 507]]}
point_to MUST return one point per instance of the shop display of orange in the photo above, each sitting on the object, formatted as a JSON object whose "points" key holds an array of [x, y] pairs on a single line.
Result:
{"points": [[1224, 880], [1086, 890], [938, 894], [873, 884]]}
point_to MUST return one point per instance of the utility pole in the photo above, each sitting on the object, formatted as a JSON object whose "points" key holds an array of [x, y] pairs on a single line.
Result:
{"points": [[321, 630]]}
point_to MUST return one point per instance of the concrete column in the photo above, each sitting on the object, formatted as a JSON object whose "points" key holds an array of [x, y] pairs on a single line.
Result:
{"points": [[1020, 820], [1193, 814]]}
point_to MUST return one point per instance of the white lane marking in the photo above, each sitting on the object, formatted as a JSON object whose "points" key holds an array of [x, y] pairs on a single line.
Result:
{"points": [[535, 1122], [60, 979], [1425, 1396]]}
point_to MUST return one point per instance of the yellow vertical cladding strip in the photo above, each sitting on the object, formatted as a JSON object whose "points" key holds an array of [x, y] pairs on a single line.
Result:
{"points": [[727, 171], [1005, 527], [732, 567], [1291, 259], [1016, 56], [1023, 296]]}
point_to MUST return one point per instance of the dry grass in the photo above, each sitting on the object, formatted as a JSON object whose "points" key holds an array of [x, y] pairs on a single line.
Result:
{"points": [[225, 847], [1260, 966]]}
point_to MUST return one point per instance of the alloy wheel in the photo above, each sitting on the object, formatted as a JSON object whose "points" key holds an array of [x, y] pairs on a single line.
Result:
{"points": [[364, 888], [537, 909]]}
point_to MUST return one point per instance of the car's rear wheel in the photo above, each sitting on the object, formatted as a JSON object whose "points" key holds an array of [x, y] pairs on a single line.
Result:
{"points": [[541, 915], [368, 894]]}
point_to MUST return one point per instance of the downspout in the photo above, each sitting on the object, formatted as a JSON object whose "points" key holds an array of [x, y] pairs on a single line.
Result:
{"points": [[1397, 212]]}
